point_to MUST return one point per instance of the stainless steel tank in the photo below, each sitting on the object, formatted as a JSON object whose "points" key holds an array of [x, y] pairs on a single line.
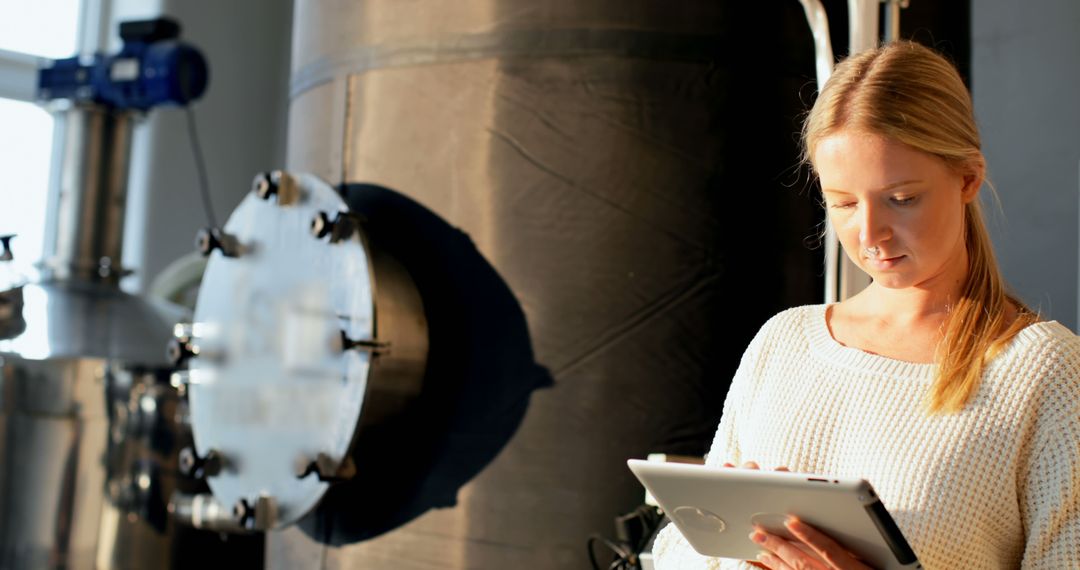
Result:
{"points": [[90, 426], [83, 339], [575, 145]]}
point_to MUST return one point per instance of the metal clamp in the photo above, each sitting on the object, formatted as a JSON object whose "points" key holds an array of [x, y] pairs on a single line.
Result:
{"points": [[326, 468], [373, 346], [342, 227], [276, 183], [260, 516], [209, 239]]}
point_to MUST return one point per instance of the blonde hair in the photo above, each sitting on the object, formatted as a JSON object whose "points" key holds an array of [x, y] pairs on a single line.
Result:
{"points": [[911, 94]]}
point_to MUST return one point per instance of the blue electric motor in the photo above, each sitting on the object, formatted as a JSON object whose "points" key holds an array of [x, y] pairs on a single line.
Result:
{"points": [[153, 68]]}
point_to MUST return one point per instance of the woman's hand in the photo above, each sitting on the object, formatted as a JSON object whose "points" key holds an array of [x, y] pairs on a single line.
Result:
{"points": [[813, 549]]}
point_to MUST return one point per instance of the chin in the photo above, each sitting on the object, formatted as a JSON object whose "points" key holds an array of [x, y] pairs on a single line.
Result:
{"points": [[891, 280]]}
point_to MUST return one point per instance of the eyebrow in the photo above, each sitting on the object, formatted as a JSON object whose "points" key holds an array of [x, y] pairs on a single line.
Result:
{"points": [[882, 189]]}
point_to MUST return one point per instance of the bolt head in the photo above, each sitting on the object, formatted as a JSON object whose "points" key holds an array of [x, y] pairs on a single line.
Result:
{"points": [[205, 242], [176, 351], [263, 186], [242, 511], [187, 461], [321, 225], [212, 463]]}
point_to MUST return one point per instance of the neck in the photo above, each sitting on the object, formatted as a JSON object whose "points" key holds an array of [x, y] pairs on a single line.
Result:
{"points": [[930, 299]]}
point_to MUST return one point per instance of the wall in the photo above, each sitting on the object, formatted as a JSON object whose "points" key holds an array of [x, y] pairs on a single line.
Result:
{"points": [[240, 119], [1025, 83]]}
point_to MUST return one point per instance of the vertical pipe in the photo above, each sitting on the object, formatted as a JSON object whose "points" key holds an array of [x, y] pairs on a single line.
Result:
{"points": [[823, 59], [87, 245], [892, 20]]}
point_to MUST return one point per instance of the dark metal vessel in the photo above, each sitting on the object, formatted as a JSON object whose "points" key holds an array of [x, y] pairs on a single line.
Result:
{"points": [[583, 148]]}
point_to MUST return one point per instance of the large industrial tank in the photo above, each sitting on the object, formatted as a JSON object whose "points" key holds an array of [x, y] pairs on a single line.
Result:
{"points": [[516, 243], [585, 148]]}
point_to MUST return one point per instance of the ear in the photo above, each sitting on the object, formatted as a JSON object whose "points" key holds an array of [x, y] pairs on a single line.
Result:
{"points": [[974, 174]]}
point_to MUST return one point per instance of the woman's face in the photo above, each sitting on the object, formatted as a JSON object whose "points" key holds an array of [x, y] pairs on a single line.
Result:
{"points": [[906, 203]]}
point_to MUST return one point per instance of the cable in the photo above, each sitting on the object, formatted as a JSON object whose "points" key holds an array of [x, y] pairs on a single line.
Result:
{"points": [[635, 529], [200, 166], [651, 517], [623, 555]]}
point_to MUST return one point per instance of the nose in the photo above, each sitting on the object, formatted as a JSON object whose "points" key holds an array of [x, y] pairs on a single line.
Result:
{"points": [[874, 224]]}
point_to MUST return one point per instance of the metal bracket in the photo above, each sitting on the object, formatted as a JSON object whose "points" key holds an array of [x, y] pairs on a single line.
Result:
{"points": [[261, 516], [341, 228], [373, 346], [276, 183], [326, 468], [209, 239]]}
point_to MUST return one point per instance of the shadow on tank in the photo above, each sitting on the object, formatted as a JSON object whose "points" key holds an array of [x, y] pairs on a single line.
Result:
{"points": [[480, 374]]}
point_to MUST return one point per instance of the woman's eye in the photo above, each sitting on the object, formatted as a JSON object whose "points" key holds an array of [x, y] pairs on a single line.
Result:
{"points": [[843, 205], [904, 201]]}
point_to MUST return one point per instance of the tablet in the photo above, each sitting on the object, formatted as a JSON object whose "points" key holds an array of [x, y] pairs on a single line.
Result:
{"points": [[717, 508]]}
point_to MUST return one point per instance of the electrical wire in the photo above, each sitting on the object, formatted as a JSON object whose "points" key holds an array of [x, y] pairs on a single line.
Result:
{"points": [[651, 517], [626, 555], [622, 554], [200, 166]]}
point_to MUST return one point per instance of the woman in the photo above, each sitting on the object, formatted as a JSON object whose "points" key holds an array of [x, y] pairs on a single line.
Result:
{"points": [[948, 395]]}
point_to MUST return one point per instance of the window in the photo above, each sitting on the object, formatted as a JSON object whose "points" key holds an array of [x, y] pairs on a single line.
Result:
{"points": [[22, 22], [26, 129], [25, 151]]}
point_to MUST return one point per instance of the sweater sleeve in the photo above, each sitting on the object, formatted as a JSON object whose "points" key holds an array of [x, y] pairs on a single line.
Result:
{"points": [[1050, 486], [725, 445]]}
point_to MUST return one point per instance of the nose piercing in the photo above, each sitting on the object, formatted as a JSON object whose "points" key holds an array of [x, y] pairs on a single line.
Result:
{"points": [[872, 251]]}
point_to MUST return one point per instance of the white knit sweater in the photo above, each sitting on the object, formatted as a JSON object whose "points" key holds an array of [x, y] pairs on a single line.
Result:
{"points": [[994, 486]]}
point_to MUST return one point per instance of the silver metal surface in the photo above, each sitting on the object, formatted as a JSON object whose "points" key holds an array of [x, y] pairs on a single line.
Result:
{"points": [[204, 511], [74, 320], [584, 175], [53, 430], [272, 385], [68, 497], [88, 421], [93, 194], [892, 18]]}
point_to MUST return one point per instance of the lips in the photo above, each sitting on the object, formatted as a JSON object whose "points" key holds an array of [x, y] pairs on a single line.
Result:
{"points": [[882, 264]]}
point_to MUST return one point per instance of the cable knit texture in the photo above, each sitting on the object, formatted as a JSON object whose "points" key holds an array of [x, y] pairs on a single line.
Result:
{"points": [[996, 485]]}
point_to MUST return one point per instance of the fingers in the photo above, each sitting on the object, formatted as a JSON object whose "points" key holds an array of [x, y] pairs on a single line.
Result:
{"points": [[835, 555], [754, 465], [770, 561], [784, 552]]}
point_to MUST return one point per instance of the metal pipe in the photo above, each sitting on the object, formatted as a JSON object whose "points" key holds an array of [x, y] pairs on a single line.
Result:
{"points": [[819, 27], [93, 193], [892, 18], [863, 20], [205, 512]]}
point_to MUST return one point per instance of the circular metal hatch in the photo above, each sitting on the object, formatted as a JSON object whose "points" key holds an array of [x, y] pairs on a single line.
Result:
{"points": [[292, 344]]}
